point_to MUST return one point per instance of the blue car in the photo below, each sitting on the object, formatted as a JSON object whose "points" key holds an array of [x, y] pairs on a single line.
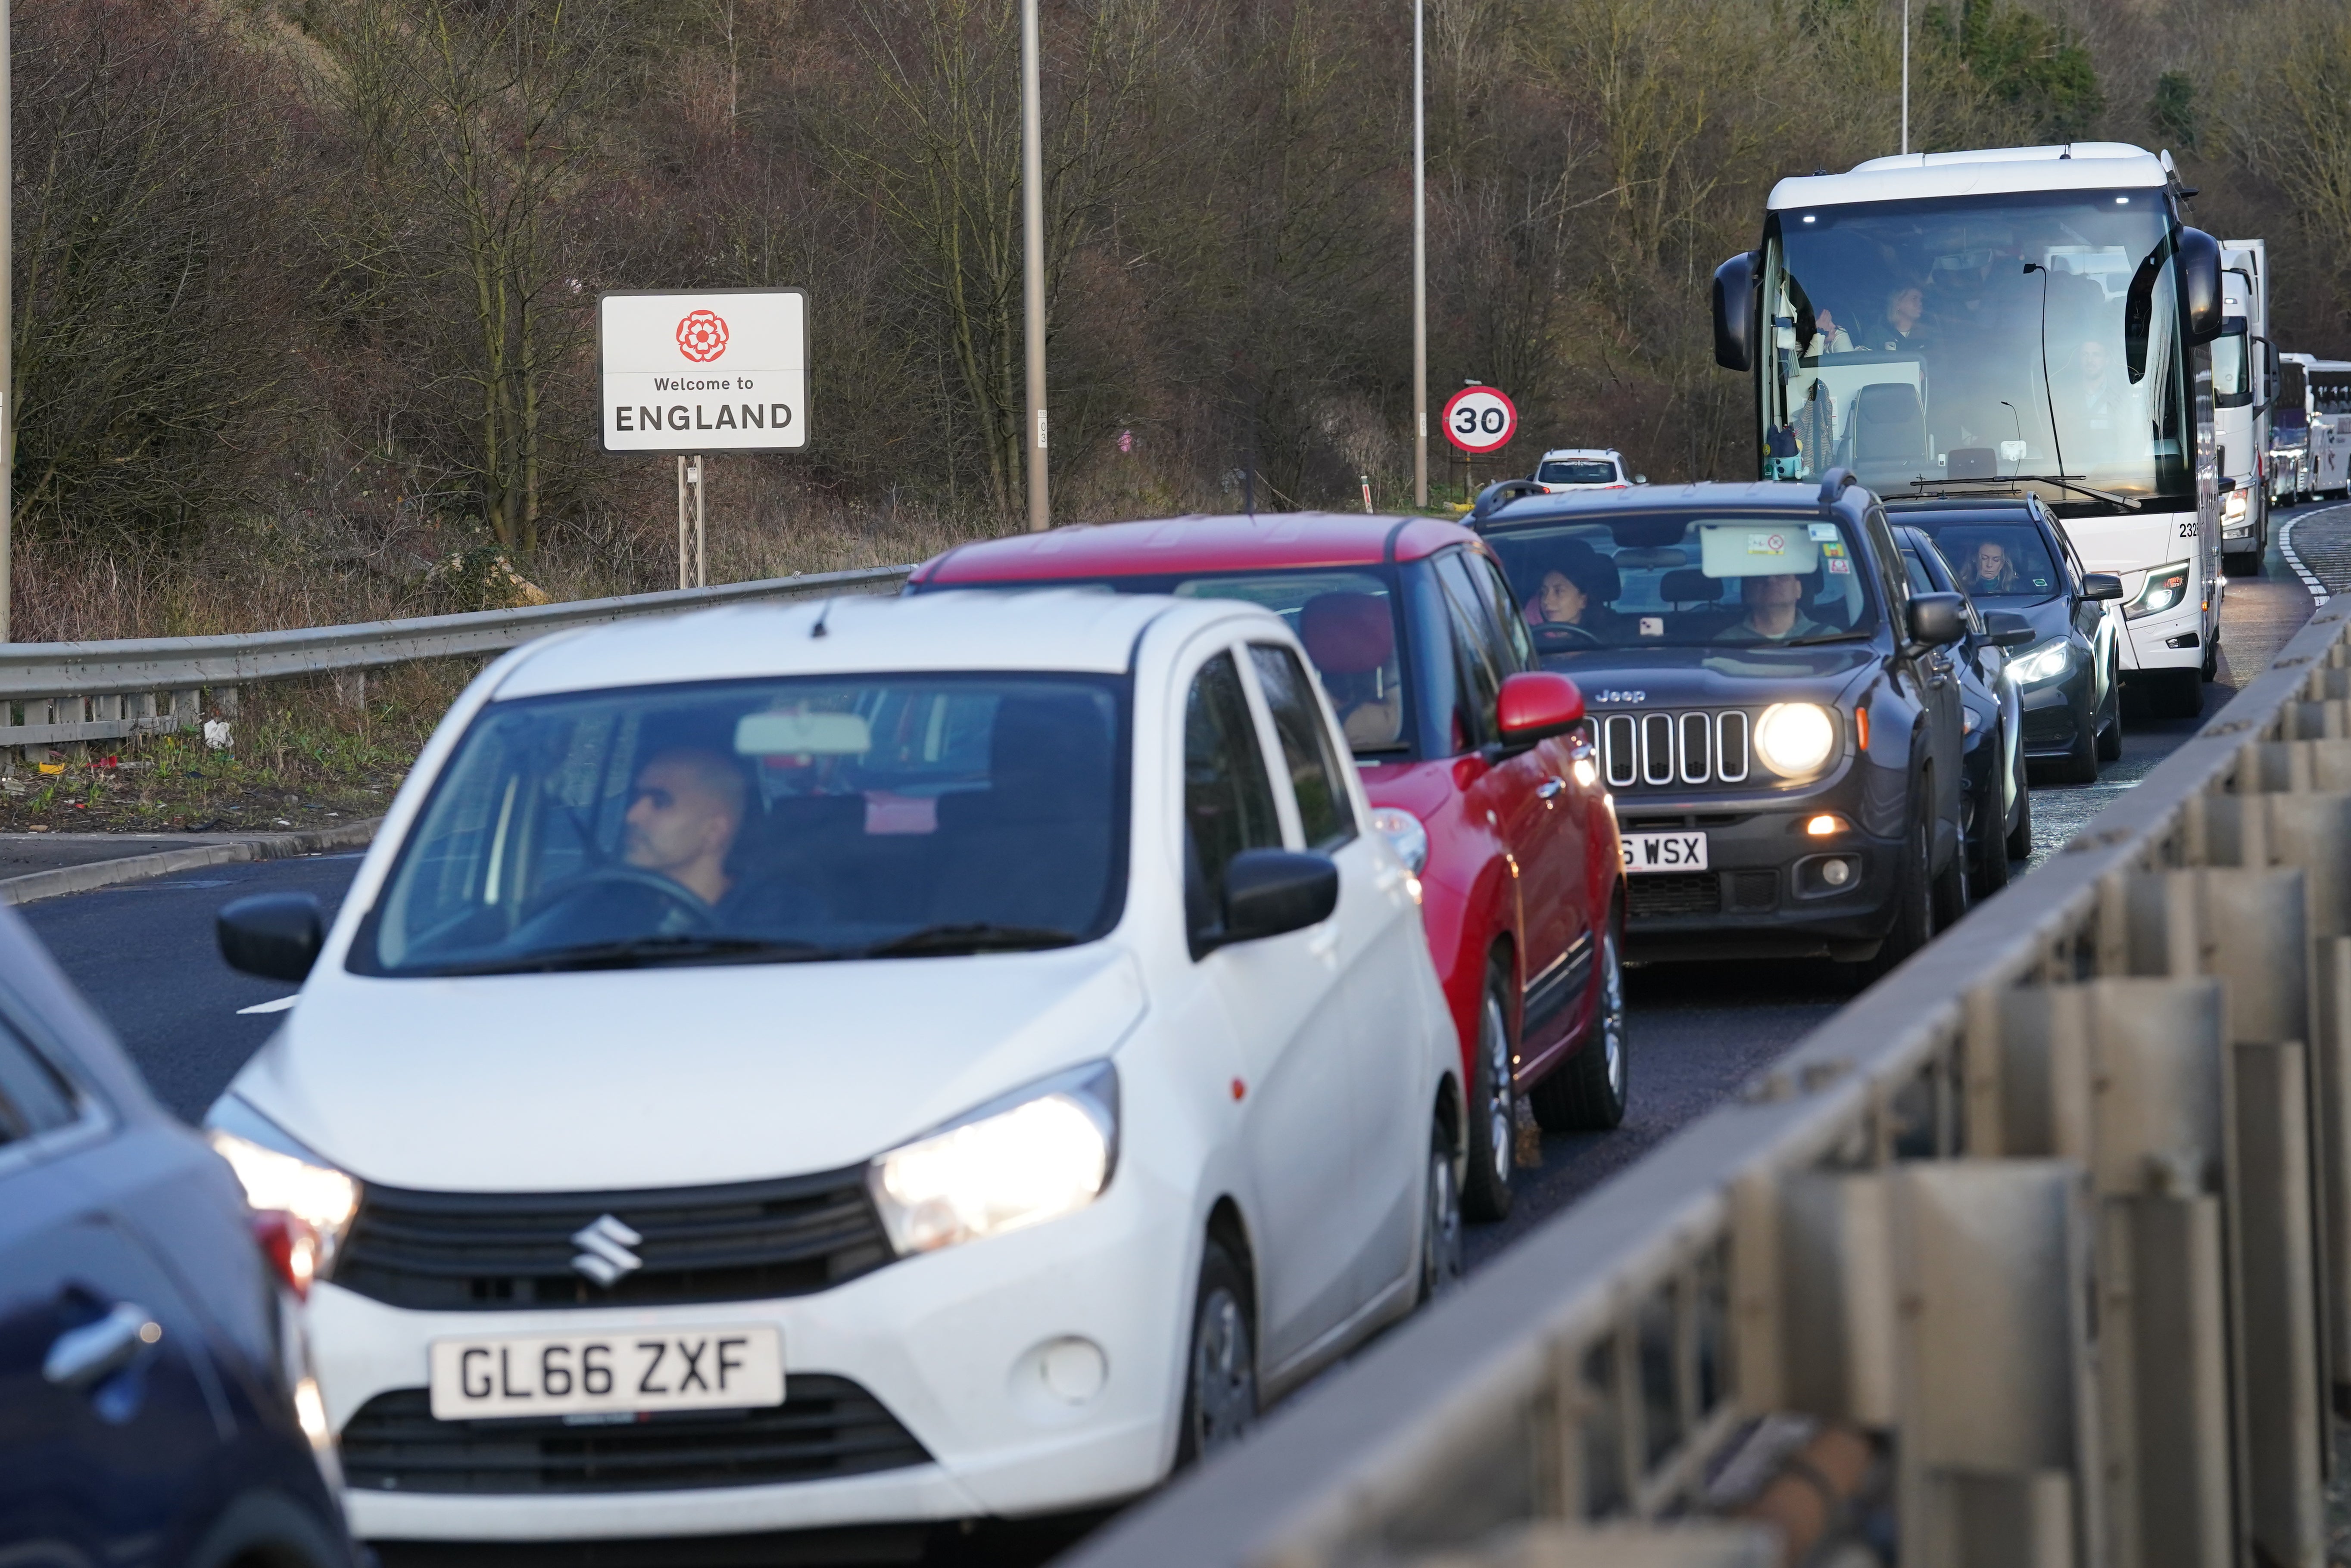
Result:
{"points": [[150, 1372]]}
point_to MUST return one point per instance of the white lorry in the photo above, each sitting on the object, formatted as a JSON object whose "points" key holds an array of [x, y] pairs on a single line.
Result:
{"points": [[2001, 322], [2244, 389]]}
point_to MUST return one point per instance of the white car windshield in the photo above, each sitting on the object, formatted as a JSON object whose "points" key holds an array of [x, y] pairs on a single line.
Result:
{"points": [[862, 817], [1576, 471], [1672, 581]]}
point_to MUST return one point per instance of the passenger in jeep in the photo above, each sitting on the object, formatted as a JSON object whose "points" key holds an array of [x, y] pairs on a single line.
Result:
{"points": [[1774, 610]]}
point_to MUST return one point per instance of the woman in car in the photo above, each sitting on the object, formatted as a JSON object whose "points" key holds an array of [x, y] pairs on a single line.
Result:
{"points": [[1991, 572], [1574, 591]]}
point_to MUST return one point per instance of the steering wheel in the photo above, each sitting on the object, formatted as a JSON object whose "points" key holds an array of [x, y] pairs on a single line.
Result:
{"points": [[610, 880], [1552, 630]]}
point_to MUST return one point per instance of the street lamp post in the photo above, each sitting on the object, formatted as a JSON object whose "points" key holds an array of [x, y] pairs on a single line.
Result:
{"points": [[7, 342], [1032, 261], [1419, 272]]}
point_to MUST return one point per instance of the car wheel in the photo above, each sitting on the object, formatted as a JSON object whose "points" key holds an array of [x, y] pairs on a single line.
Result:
{"points": [[2079, 765], [2211, 667], [1440, 1227], [1989, 874], [1493, 1108], [2110, 722], [1220, 1385], [1589, 1090], [1951, 886], [1914, 916], [2019, 838]]}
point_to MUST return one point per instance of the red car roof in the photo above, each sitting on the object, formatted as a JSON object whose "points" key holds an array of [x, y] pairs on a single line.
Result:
{"points": [[1226, 542]]}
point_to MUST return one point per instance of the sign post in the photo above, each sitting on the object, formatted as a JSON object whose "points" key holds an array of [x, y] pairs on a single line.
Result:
{"points": [[1478, 419], [714, 369]]}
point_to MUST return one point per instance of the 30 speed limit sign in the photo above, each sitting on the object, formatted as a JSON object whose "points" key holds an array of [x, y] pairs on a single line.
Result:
{"points": [[1481, 419]]}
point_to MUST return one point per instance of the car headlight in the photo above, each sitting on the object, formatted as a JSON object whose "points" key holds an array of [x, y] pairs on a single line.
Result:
{"points": [[2043, 662], [1403, 830], [279, 1176], [2165, 586], [1036, 1155], [2232, 506], [1794, 738]]}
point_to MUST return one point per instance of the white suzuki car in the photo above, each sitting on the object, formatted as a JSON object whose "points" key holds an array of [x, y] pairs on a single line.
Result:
{"points": [[884, 1061]]}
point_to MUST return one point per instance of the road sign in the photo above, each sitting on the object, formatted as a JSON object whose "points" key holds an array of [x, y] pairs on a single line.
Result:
{"points": [[1481, 419], [715, 370]]}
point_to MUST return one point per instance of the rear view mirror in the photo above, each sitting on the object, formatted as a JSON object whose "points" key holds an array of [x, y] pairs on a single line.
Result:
{"points": [[1271, 891], [2200, 285], [1734, 312], [274, 935], [1535, 705], [1937, 620], [2006, 629], [2100, 585]]}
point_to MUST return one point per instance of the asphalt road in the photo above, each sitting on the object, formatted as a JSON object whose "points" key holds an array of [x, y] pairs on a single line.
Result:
{"points": [[144, 953]]}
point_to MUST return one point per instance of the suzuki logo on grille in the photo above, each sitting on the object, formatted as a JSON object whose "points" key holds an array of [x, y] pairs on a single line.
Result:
{"points": [[604, 1244]]}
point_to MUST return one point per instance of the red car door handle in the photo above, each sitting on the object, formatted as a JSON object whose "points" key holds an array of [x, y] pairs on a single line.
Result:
{"points": [[94, 1352]]}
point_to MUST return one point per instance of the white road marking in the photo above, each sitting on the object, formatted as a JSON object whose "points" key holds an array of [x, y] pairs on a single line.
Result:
{"points": [[2285, 547], [281, 1005]]}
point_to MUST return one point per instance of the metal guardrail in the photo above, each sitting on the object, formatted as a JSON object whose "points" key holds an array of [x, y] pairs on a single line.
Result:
{"points": [[2055, 1219], [54, 693]]}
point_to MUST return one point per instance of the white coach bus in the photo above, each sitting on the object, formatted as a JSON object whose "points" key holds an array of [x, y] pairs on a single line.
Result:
{"points": [[1998, 322], [2313, 424]]}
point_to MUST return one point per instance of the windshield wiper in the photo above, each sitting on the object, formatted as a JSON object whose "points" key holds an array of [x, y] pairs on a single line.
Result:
{"points": [[2111, 497], [1390, 750], [1817, 637], [643, 952], [971, 937]]}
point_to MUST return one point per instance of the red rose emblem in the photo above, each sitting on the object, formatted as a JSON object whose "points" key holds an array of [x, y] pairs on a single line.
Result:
{"points": [[702, 336]]}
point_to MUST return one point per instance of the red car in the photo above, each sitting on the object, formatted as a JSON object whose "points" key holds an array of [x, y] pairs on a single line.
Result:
{"points": [[1423, 652]]}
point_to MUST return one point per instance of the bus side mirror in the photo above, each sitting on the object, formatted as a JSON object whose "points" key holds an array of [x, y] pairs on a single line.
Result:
{"points": [[1734, 312], [2200, 285]]}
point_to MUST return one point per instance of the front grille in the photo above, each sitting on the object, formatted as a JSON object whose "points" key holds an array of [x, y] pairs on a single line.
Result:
{"points": [[2049, 726], [825, 1427], [1674, 893], [1661, 750], [490, 1251]]}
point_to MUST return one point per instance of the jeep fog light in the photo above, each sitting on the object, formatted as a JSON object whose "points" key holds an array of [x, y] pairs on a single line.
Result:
{"points": [[1836, 873]]}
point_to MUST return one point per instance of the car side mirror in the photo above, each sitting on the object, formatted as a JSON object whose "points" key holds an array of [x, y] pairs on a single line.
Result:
{"points": [[2006, 629], [1271, 891], [2227, 483], [1535, 705], [1734, 312], [274, 935], [1937, 620], [2100, 585], [1640, 479]]}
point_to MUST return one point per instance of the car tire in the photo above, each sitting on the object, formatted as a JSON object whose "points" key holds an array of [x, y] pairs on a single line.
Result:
{"points": [[1990, 870], [2110, 722], [1441, 1261], [1588, 1092], [1493, 1119], [2019, 838], [2212, 667], [1914, 915], [2079, 765], [1951, 886], [1220, 1364]]}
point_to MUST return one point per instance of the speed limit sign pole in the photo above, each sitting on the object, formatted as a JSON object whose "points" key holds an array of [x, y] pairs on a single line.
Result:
{"points": [[1479, 420]]}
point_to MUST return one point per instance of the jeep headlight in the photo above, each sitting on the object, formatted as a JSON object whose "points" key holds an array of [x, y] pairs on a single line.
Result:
{"points": [[1794, 738], [1035, 1155], [280, 1176], [2043, 662], [2165, 587]]}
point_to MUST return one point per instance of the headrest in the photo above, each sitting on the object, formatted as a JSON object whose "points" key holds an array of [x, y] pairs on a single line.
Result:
{"points": [[1347, 633], [1886, 403], [1689, 585]]}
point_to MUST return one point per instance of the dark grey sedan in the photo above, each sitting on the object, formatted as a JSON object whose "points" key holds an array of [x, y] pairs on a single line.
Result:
{"points": [[2011, 555]]}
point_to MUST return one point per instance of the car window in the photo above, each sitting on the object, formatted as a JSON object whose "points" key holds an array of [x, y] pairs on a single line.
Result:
{"points": [[1347, 622], [800, 819], [1324, 813], [1478, 679], [1518, 644], [1915, 570], [1997, 558], [1577, 471], [33, 1098], [1227, 796]]}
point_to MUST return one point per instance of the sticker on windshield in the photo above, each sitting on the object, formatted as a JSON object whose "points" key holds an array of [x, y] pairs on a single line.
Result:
{"points": [[1767, 543], [1825, 531], [1833, 548], [1840, 568]]}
